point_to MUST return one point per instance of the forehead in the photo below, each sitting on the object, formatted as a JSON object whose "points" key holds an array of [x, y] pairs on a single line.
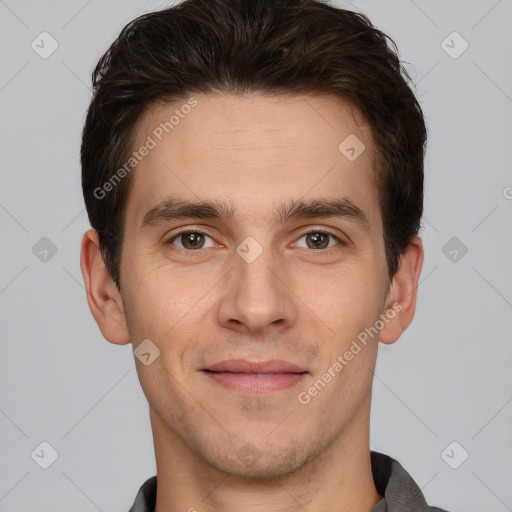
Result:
{"points": [[256, 151]]}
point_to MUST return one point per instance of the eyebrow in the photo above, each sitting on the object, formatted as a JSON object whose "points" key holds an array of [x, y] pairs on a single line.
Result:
{"points": [[174, 208]]}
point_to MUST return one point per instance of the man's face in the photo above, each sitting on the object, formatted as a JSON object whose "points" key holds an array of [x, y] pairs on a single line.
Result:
{"points": [[254, 286]]}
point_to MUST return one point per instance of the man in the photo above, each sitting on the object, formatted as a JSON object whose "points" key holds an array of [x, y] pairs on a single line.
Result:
{"points": [[253, 174]]}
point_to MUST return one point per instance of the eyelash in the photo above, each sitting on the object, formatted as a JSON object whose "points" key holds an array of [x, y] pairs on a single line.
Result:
{"points": [[194, 252]]}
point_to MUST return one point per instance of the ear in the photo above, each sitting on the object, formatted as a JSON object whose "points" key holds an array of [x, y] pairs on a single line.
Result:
{"points": [[401, 297], [105, 301]]}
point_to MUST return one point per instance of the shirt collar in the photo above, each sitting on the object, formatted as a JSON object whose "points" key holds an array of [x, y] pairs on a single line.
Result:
{"points": [[400, 492]]}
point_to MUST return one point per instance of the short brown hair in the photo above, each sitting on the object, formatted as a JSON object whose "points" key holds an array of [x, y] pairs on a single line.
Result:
{"points": [[239, 46]]}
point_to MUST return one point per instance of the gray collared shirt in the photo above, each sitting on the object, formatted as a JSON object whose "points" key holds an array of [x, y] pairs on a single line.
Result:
{"points": [[400, 491]]}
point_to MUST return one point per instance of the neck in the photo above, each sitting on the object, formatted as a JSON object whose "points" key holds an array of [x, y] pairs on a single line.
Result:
{"points": [[339, 479]]}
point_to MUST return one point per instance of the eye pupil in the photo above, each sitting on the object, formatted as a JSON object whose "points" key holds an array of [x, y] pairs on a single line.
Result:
{"points": [[194, 239], [318, 240]]}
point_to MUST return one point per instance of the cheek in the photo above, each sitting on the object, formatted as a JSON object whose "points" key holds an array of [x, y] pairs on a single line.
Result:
{"points": [[165, 306], [350, 310], [348, 299], [150, 312]]}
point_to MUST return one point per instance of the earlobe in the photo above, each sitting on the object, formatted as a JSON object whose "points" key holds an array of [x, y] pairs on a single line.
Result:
{"points": [[401, 299], [103, 297]]}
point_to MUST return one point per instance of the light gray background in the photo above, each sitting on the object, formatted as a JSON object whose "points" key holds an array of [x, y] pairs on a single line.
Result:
{"points": [[447, 379]]}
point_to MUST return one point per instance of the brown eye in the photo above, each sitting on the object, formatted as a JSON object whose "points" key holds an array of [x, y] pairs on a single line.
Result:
{"points": [[319, 240], [190, 240]]}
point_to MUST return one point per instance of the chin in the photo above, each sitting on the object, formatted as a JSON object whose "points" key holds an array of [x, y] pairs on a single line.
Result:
{"points": [[270, 462]]}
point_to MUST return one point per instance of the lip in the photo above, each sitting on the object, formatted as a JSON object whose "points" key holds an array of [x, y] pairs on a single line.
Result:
{"points": [[244, 366], [255, 378]]}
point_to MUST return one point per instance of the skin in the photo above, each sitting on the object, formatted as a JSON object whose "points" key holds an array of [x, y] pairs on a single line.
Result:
{"points": [[294, 302]]}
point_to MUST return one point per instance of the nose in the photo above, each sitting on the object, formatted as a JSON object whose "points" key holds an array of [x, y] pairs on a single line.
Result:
{"points": [[256, 297]]}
